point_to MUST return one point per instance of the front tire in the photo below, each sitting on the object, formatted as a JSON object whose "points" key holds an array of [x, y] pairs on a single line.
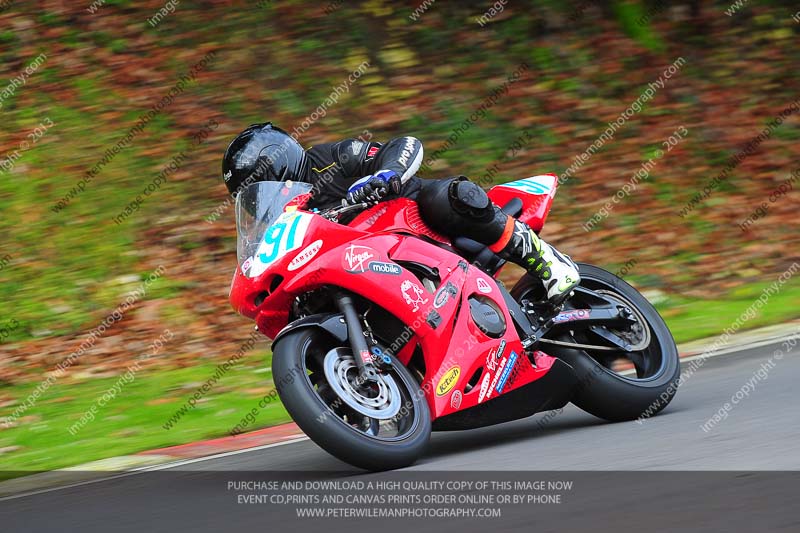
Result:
{"points": [[601, 390], [298, 367]]}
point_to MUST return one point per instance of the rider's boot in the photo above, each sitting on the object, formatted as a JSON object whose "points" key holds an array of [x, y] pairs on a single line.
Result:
{"points": [[557, 271]]}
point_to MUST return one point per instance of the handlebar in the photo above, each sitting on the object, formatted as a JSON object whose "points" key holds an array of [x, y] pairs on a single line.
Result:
{"points": [[334, 213]]}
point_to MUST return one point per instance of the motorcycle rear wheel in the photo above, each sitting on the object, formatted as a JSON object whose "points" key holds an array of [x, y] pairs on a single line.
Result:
{"points": [[335, 417], [602, 390]]}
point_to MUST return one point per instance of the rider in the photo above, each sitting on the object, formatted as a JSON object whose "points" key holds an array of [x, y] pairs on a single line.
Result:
{"points": [[361, 170]]}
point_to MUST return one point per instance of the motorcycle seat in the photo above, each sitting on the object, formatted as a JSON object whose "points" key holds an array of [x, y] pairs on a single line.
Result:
{"points": [[513, 208]]}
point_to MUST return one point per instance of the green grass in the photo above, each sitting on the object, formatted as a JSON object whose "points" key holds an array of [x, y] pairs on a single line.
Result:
{"points": [[133, 420], [80, 249], [628, 15], [691, 319]]}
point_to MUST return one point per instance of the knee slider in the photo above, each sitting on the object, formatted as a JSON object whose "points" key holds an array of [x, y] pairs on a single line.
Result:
{"points": [[468, 198]]}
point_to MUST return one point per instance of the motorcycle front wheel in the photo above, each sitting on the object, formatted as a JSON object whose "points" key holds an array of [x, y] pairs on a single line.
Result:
{"points": [[376, 425]]}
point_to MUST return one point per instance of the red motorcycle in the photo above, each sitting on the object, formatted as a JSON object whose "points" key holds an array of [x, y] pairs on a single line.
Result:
{"points": [[385, 330]]}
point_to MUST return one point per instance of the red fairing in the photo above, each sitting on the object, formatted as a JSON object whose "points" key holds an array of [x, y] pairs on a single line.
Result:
{"points": [[300, 201], [267, 297], [400, 215], [463, 365], [536, 193]]}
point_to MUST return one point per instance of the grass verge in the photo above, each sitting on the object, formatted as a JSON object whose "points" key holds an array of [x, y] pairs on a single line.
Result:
{"points": [[135, 419], [691, 319]]}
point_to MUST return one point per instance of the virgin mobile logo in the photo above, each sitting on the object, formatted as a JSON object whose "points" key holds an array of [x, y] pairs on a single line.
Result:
{"points": [[356, 258]]}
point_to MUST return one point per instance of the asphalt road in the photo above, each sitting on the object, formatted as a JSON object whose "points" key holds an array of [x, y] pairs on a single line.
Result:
{"points": [[761, 433]]}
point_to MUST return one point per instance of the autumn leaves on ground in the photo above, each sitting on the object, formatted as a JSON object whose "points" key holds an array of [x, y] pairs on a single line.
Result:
{"points": [[113, 129]]}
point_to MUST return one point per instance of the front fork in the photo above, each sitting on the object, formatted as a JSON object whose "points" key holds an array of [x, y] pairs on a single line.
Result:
{"points": [[364, 357]]}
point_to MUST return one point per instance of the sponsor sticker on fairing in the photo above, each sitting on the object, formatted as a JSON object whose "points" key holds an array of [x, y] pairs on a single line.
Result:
{"points": [[306, 255], [494, 355], [246, 265], [455, 399], [487, 377], [441, 298], [500, 368], [379, 267], [448, 381], [356, 258], [444, 294], [413, 294], [506, 372], [483, 286]]}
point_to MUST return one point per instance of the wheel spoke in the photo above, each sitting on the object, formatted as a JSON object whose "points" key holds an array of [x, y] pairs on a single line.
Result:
{"points": [[610, 337], [373, 427], [639, 362]]}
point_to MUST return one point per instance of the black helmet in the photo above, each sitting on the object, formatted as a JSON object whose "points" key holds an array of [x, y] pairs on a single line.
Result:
{"points": [[263, 152]]}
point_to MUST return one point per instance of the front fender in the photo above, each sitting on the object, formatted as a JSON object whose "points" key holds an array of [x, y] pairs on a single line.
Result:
{"points": [[333, 323]]}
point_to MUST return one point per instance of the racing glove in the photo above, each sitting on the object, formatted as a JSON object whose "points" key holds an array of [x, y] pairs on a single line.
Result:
{"points": [[373, 188]]}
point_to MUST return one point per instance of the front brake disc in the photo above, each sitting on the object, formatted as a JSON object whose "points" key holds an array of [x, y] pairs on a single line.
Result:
{"points": [[377, 398]]}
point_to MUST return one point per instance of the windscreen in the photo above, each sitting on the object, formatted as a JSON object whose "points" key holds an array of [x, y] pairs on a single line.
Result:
{"points": [[266, 231]]}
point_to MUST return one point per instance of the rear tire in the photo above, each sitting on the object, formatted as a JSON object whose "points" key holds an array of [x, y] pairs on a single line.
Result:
{"points": [[292, 376], [601, 391]]}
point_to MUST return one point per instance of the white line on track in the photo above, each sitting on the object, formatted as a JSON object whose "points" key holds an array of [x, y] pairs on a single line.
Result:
{"points": [[174, 464], [143, 469]]}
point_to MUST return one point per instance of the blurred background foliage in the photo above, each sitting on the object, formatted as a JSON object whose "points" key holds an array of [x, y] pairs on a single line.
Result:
{"points": [[278, 60], [588, 61]]}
